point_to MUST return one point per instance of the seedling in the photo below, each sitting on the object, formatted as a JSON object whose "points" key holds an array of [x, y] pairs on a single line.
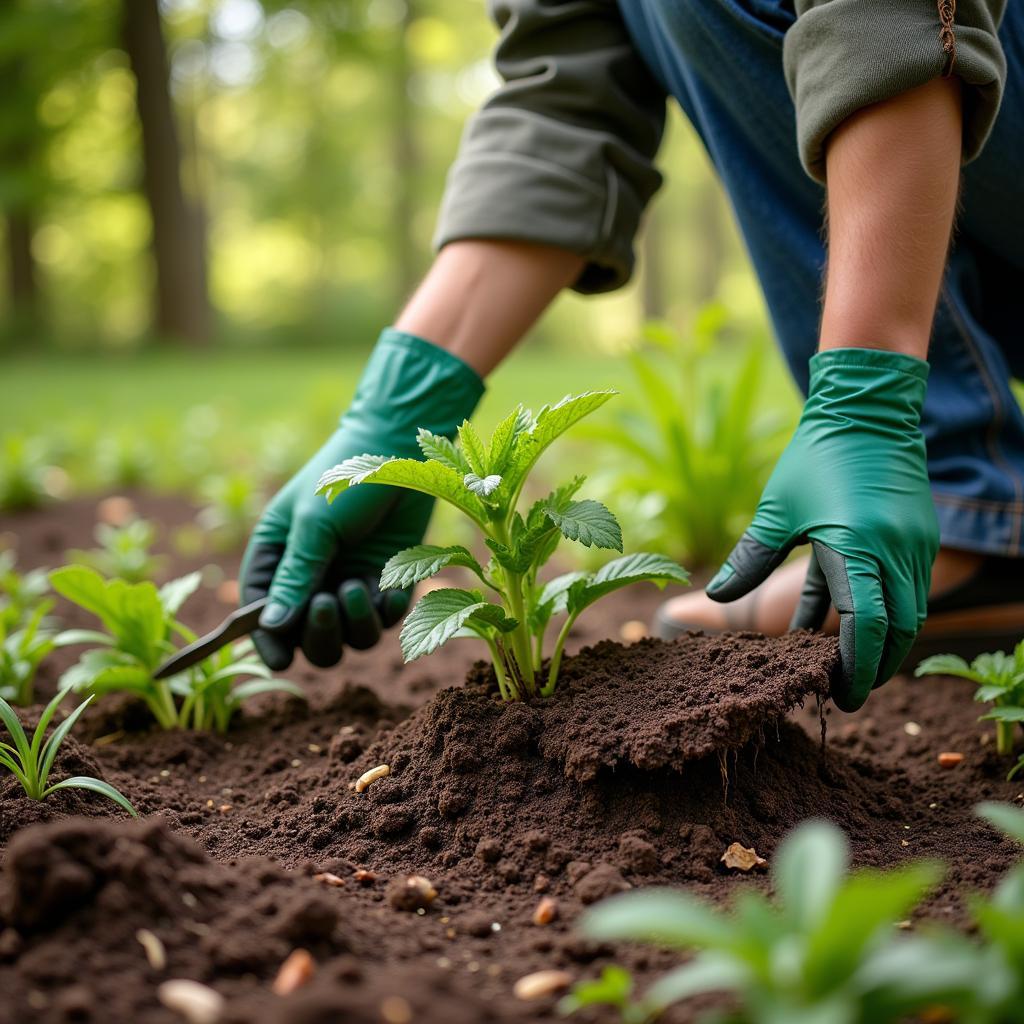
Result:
{"points": [[26, 477], [233, 505], [485, 483], [124, 551], [21, 653], [140, 624], [20, 594], [32, 761], [823, 950], [1000, 679]]}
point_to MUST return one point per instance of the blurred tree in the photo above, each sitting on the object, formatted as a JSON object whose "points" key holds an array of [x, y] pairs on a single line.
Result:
{"points": [[178, 235]]}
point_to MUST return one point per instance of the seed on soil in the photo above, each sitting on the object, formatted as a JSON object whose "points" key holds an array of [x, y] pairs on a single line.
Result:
{"points": [[197, 1003], [950, 759], [546, 911], [395, 1010], [633, 630], [541, 984], [912, 728], [153, 948], [742, 858], [364, 780], [411, 893], [297, 969], [116, 510], [329, 879], [224, 808], [364, 877]]}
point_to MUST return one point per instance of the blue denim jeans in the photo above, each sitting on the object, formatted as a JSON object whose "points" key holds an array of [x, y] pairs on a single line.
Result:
{"points": [[722, 61]]}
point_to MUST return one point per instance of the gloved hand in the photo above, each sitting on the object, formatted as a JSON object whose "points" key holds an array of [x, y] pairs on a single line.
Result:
{"points": [[853, 481], [320, 563]]}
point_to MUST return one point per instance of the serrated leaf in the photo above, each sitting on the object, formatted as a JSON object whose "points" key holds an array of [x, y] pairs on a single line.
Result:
{"points": [[437, 617], [483, 487], [174, 594], [500, 447], [473, 449], [427, 477], [620, 572], [422, 561], [441, 449], [588, 522]]}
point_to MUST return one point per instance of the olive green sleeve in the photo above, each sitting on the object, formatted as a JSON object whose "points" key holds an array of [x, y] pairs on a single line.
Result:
{"points": [[562, 154], [842, 55]]}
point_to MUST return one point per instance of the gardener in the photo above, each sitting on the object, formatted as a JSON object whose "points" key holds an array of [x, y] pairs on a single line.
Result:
{"points": [[866, 107]]}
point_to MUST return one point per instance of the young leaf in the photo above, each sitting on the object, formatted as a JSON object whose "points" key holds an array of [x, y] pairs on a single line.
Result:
{"points": [[589, 522], [174, 594], [502, 441], [440, 449], [95, 786], [1004, 714], [808, 871], [552, 598], [428, 477], [667, 917], [439, 615], [473, 449], [423, 561], [484, 487], [620, 572], [1005, 817], [85, 587], [708, 972]]}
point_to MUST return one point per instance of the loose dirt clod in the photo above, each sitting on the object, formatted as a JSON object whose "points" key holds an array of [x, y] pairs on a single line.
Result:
{"points": [[540, 984], [153, 948], [197, 1003], [297, 969], [364, 780], [950, 759], [412, 893], [742, 858], [546, 911]]}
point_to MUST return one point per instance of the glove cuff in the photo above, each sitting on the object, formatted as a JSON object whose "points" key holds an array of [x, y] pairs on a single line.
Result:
{"points": [[872, 384], [410, 383]]}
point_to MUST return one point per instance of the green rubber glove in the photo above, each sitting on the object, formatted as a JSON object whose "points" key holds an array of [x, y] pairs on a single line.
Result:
{"points": [[853, 481], [320, 563]]}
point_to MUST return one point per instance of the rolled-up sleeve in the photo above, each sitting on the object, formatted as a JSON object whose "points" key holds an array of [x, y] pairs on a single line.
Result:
{"points": [[842, 55], [563, 153]]}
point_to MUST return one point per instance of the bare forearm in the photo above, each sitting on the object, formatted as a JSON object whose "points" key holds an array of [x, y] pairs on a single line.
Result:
{"points": [[480, 297], [893, 173]]}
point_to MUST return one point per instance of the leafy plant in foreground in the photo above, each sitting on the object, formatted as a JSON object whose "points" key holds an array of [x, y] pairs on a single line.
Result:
{"points": [[485, 481], [1000, 679], [140, 624], [21, 654], [689, 459], [31, 761], [124, 551], [824, 950]]}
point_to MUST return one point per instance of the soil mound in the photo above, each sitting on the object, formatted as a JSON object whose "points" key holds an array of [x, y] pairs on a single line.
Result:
{"points": [[659, 705]]}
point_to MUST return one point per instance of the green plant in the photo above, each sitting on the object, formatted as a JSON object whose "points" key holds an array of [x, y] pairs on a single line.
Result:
{"points": [[690, 456], [27, 479], [124, 551], [126, 458], [21, 653], [140, 623], [233, 504], [20, 594], [824, 950], [1000, 679], [32, 761], [485, 483]]}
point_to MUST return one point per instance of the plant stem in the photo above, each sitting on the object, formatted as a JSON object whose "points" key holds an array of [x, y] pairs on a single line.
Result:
{"points": [[556, 657], [521, 634], [1004, 737], [499, 668]]}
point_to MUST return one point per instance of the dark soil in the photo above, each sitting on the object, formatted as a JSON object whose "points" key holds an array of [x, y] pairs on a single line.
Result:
{"points": [[649, 761]]}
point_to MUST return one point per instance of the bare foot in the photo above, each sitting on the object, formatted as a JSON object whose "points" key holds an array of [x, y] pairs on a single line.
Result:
{"points": [[769, 608]]}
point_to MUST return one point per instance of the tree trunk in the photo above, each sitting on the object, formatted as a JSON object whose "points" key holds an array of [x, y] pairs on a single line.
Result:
{"points": [[406, 165], [182, 303], [22, 282]]}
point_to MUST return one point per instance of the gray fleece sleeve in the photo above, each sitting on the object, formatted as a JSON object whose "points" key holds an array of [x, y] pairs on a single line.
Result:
{"points": [[563, 153], [842, 55]]}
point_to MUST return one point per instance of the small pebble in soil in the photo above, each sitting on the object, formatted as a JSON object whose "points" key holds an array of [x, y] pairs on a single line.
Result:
{"points": [[541, 984], [410, 893], [364, 877], [327, 878], [197, 1003], [912, 728], [738, 857], [950, 759], [297, 970], [546, 911], [395, 1010], [633, 630]]}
